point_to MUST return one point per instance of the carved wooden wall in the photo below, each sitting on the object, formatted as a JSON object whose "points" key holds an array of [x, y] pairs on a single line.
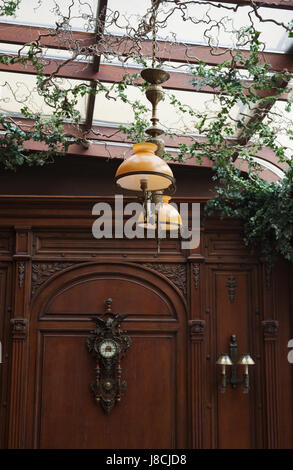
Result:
{"points": [[182, 307]]}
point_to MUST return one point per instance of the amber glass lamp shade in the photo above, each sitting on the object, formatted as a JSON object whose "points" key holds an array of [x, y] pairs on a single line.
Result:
{"points": [[168, 216], [145, 222], [144, 167]]}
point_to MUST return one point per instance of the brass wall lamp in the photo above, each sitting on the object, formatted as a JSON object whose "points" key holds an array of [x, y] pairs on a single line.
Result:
{"points": [[232, 361]]}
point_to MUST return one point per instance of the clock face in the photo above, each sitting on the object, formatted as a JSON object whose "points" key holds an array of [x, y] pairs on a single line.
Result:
{"points": [[108, 348]]}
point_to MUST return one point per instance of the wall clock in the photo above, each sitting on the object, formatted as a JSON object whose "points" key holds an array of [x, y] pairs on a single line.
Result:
{"points": [[108, 343]]}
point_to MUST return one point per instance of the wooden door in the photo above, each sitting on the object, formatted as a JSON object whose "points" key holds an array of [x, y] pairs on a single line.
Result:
{"points": [[234, 418], [61, 410]]}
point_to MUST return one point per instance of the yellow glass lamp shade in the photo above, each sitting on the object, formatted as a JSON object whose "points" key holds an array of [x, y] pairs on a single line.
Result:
{"points": [[145, 222], [144, 166], [168, 216]]}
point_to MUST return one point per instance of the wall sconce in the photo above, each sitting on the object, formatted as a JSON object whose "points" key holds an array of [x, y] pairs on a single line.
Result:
{"points": [[232, 361]]}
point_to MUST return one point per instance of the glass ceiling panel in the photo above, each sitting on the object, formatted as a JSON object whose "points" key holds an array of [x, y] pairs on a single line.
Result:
{"points": [[211, 25], [281, 121], [48, 53], [114, 112], [47, 12], [18, 90]]}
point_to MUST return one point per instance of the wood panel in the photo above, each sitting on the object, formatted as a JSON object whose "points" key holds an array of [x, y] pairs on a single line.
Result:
{"points": [[81, 245], [5, 243], [183, 306], [224, 244], [84, 298], [146, 416], [278, 373], [153, 413], [231, 297]]}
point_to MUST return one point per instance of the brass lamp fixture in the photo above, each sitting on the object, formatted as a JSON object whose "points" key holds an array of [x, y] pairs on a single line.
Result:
{"points": [[224, 361], [232, 361], [145, 171], [165, 216], [168, 217]]}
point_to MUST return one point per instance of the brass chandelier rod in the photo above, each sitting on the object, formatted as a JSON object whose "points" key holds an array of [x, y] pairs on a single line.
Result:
{"points": [[155, 5]]}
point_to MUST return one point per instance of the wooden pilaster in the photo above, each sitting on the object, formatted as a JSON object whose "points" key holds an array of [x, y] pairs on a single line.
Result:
{"points": [[19, 334], [197, 361], [270, 332]]}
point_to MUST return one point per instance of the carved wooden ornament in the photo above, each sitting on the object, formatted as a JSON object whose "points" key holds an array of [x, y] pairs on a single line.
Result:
{"points": [[231, 285], [108, 343]]}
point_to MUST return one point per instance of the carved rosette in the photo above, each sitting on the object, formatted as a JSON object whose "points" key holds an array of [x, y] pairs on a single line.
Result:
{"points": [[175, 272], [43, 271], [270, 330], [196, 330], [19, 328], [231, 285]]}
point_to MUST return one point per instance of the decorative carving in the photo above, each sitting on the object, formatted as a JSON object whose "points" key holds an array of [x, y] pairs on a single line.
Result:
{"points": [[268, 275], [20, 274], [18, 328], [42, 271], [196, 274], [231, 284], [109, 344], [270, 329], [175, 272], [196, 329]]}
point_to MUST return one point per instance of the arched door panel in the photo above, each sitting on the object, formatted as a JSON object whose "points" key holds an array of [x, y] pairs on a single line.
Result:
{"points": [[61, 410]]}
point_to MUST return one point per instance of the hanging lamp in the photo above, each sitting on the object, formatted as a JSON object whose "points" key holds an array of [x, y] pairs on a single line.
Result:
{"points": [[144, 170], [168, 218], [165, 218]]}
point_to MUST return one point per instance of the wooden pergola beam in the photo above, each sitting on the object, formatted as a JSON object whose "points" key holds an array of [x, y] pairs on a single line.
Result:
{"points": [[110, 135], [282, 4], [167, 51], [109, 151], [23, 34], [114, 74]]}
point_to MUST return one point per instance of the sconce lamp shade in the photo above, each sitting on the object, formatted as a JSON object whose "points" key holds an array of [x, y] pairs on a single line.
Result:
{"points": [[246, 360], [144, 166], [224, 360], [168, 216]]}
